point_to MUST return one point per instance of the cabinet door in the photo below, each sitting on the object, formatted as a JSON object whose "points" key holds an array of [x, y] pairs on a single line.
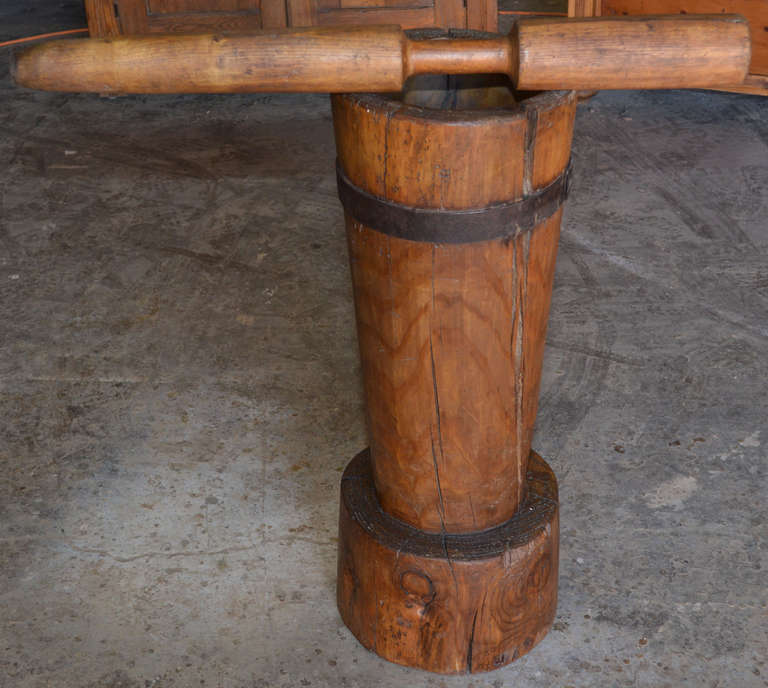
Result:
{"points": [[411, 14], [188, 16], [196, 16]]}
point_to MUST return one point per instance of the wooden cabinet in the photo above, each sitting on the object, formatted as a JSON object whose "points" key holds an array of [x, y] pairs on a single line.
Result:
{"points": [[115, 17], [756, 12]]}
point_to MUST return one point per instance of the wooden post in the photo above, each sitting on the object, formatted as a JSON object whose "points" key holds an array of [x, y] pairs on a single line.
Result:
{"points": [[449, 522]]}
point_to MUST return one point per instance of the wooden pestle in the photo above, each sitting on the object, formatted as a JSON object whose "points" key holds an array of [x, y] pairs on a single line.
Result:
{"points": [[691, 51]]}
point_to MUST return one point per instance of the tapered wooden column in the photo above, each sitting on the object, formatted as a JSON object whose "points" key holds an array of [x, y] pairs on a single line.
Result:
{"points": [[448, 545]]}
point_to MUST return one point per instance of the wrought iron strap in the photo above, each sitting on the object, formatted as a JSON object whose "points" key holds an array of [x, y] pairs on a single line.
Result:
{"points": [[440, 226]]}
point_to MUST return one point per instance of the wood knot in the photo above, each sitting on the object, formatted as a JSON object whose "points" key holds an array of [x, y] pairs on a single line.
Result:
{"points": [[419, 585]]}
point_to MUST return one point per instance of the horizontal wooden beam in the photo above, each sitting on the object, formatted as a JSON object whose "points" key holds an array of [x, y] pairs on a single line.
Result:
{"points": [[693, 51]]}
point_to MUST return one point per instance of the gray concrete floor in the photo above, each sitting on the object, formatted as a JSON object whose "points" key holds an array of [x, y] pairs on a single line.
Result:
{"points": [[20, 18], [179, 391]]}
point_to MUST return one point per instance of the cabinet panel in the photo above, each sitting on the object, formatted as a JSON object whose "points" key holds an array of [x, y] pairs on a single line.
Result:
{"points": [[756, 12], [176, 6], [108, 17]]}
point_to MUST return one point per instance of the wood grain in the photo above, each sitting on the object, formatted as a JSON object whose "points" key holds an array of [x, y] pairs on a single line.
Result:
{"points": [[215, 22], [483, 15], [273, 14], [102, 20], [448, 605], [620, 52], [302, 12], [380, 4], [312, 59], [448, 527], [755, 11], [203, 16], [451, 336], [585, 8], [409, 17], [450, 13], [203, 6], [754, 84], [133, 16], [632, 52]]}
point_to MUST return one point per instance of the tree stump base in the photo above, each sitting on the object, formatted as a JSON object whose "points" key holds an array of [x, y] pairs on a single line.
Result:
{"points": [[448, 603]]}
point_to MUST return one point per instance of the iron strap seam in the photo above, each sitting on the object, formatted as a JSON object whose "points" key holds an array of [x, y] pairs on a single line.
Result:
{"points": [[441, 226]]}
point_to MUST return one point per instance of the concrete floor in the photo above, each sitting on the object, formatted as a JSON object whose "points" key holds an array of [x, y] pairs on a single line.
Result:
{"points": [[19, 18], [179, 391]]}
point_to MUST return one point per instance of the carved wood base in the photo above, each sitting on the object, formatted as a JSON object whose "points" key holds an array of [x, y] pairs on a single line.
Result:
{"points": [[448, 603]]}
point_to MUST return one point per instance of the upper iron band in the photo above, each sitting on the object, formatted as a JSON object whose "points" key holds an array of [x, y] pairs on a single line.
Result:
{"points": [[433, 225]]}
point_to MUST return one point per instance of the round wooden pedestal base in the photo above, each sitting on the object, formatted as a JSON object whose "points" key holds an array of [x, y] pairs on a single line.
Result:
{"points": [[448, 603]]}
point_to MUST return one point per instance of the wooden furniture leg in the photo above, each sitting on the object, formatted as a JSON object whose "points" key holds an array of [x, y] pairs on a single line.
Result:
{"points": [[449, 522]]}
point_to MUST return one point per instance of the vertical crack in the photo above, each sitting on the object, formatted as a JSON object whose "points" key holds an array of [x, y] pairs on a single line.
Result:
{"points": [[470, 645], [517, 356], [440, 504], [441, 501], [521, 460], [530, 142], [395, 341], [436, 398], [388, 121]]}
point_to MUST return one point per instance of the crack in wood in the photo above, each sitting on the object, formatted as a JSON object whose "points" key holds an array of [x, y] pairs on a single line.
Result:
{"points": [[470, 645]]}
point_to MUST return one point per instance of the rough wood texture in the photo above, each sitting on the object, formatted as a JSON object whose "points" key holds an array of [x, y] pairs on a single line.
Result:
{"points": [[482, 15], [273, 14], [448, 524], [584, 8], [632, 52], [102, 20], [301, 12], [621, 52], [410, 17], [451, 13], [315, 59], [133, 16], [755, 11], [754, 84], [209, 23], [204, 16], [451, 336], [182, 16], [454, 604]]}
